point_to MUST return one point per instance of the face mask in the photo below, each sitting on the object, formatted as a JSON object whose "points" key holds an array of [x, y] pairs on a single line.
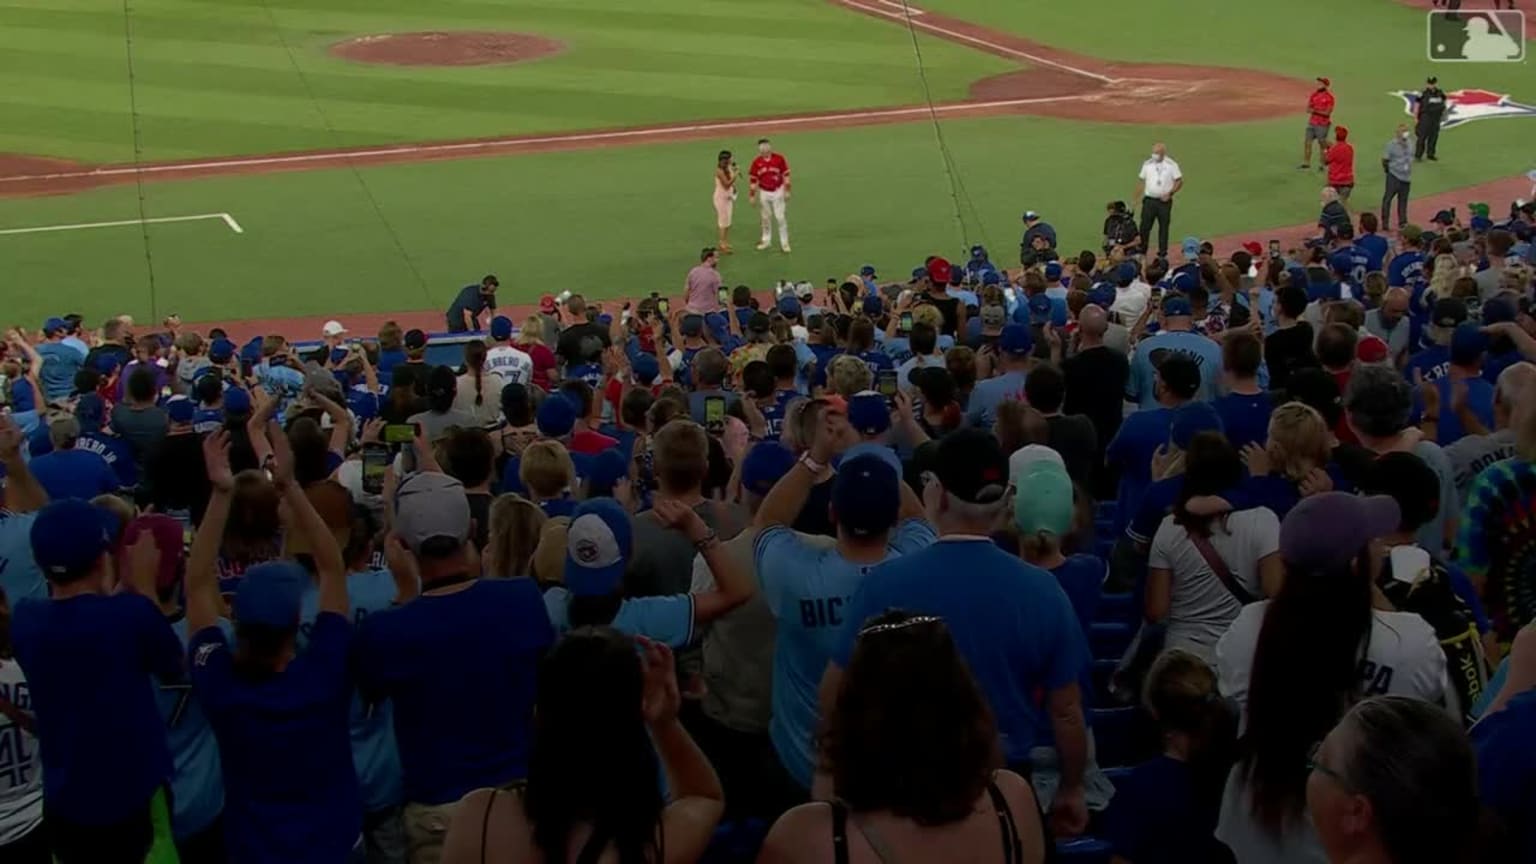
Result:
{"points": [[1157, 157]]}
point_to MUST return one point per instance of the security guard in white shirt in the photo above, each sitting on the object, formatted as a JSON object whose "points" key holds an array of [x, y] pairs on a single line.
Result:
{"points": [[1160, 179]]}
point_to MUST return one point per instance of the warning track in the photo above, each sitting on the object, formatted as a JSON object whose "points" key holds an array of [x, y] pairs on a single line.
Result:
{"points": [[1055, 84]]}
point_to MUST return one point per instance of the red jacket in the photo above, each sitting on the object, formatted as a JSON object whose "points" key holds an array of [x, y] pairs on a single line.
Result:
{"points": [[1340, 159], [1320, 103]]}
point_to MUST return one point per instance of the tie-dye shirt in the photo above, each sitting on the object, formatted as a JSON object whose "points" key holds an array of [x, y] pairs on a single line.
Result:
{"points": [[1497, 542]]}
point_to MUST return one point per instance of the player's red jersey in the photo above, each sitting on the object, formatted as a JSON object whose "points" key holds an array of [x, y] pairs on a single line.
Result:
{"points": [[1340, 159], [769, 172], [1320, 103]]}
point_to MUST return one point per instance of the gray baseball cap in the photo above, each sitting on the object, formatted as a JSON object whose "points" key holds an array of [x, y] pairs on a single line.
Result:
{"points": [[429, 504]]}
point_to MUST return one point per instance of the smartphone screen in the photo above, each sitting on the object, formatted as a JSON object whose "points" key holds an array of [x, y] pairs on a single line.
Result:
{"points": [[663, 306], [725, 297], [906, 322], [888, 383], [399, 433], [376, 459], [714, 413], [1274, 248]]}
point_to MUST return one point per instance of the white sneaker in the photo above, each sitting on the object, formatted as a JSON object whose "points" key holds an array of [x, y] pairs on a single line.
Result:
{"points": [[785, 247], [763, 245]]}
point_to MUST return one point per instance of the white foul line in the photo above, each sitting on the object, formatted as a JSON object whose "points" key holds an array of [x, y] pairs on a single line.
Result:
{"points": [[1014, 52], [225, 217], [511, 143]]}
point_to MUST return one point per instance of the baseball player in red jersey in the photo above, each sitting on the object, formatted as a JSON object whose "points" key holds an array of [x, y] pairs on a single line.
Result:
{"points": [[768, 185], [1320, 117]]}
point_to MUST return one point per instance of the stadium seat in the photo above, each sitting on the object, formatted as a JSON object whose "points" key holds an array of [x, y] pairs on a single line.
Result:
{"points": [[1117, 607], [1108, 639], [1083, 850], [1115, 734]]}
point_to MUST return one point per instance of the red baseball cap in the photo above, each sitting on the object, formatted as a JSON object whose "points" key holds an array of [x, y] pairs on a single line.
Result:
{"points": [[1325, 82], [1254, 248], [939, 271], [547, 304], [1371, 349]]}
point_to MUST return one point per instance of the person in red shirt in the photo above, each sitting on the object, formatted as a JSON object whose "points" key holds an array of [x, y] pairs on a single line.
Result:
{"points": [[1319, 118], [768, 187], [1340, 160]]}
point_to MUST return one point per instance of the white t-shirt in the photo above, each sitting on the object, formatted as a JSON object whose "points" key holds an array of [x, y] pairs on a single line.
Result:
{"points": [[1160, 176], [512, 364], [21, 768], [1201, 608], [1130, 301], [1403, 659], [488, 412]]}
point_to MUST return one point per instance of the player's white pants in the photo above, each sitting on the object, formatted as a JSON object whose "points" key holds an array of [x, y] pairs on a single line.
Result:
{"points": [[771, 206]]}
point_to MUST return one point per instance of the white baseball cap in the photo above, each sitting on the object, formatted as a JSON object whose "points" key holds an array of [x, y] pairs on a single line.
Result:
{"points": [[333, 328]]}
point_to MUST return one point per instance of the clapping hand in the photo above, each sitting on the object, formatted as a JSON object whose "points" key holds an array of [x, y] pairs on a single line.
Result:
{"points": [[661, 699], [216, 459]]}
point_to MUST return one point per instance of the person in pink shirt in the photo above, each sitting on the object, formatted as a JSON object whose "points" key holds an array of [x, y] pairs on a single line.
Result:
{"points": [[703, 285], [725, 197]]}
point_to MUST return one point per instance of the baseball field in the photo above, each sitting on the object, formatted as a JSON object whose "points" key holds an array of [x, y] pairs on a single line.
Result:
{"points": [[249, 160]]}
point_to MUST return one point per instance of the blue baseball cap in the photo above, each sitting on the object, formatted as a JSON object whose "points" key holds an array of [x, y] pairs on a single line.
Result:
{"points": [[221, 350], [1480, 224], [764, 464], [872, 306], [251, 351], [556, 417], [719, 326], [501, 328], [866, 495], [919, 273], [237, 401], [868, 414], [1126, 272], [106, 363], [606, 470], [1102, 295], [1468, 342], [789, 306], [991, 277], [1190, 420], [1053, 271], [597, 545], [1030, 214], [1016, 339], [1177, 306], [867, 270], [339, 354], [69, 535], [1191, 247], [90, 413], [1297, 278], [978, 252], [1341, 263], [270, 594], [54, 325], [646, 368], [179, 409], [692, 325]]}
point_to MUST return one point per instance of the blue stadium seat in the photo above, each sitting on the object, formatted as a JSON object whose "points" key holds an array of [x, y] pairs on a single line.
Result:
{"points": [[1108, 639], [1117, 607], [1115, 735], [1082, 850]]}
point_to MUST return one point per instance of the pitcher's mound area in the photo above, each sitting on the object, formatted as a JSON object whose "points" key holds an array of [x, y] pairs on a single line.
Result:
{"points": [[450, 48]]}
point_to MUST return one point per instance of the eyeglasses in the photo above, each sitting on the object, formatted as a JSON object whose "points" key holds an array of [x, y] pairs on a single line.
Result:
{"points": [[1315, 764]]}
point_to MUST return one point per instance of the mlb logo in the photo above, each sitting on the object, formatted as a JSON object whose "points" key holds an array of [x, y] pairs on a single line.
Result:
{"points": [[1464, 106], [1480, 36]]}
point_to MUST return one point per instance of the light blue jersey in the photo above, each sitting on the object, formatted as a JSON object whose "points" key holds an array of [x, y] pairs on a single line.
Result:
{"points": [[806, 588], [982, 409], [197, 778], [667, 619], [19, 574], [374, 754], [1203, 350]]}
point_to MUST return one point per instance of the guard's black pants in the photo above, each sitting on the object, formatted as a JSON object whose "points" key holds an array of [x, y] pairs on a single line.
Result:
{"points": [[1428, 132], [1395, 189]]}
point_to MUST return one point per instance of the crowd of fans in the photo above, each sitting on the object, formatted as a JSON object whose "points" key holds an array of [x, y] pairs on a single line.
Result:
{"points": [[1223, 558]]}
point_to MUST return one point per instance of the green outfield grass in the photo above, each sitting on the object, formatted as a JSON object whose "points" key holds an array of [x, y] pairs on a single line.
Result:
{"points": [[214, 76], [630, 220]]}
